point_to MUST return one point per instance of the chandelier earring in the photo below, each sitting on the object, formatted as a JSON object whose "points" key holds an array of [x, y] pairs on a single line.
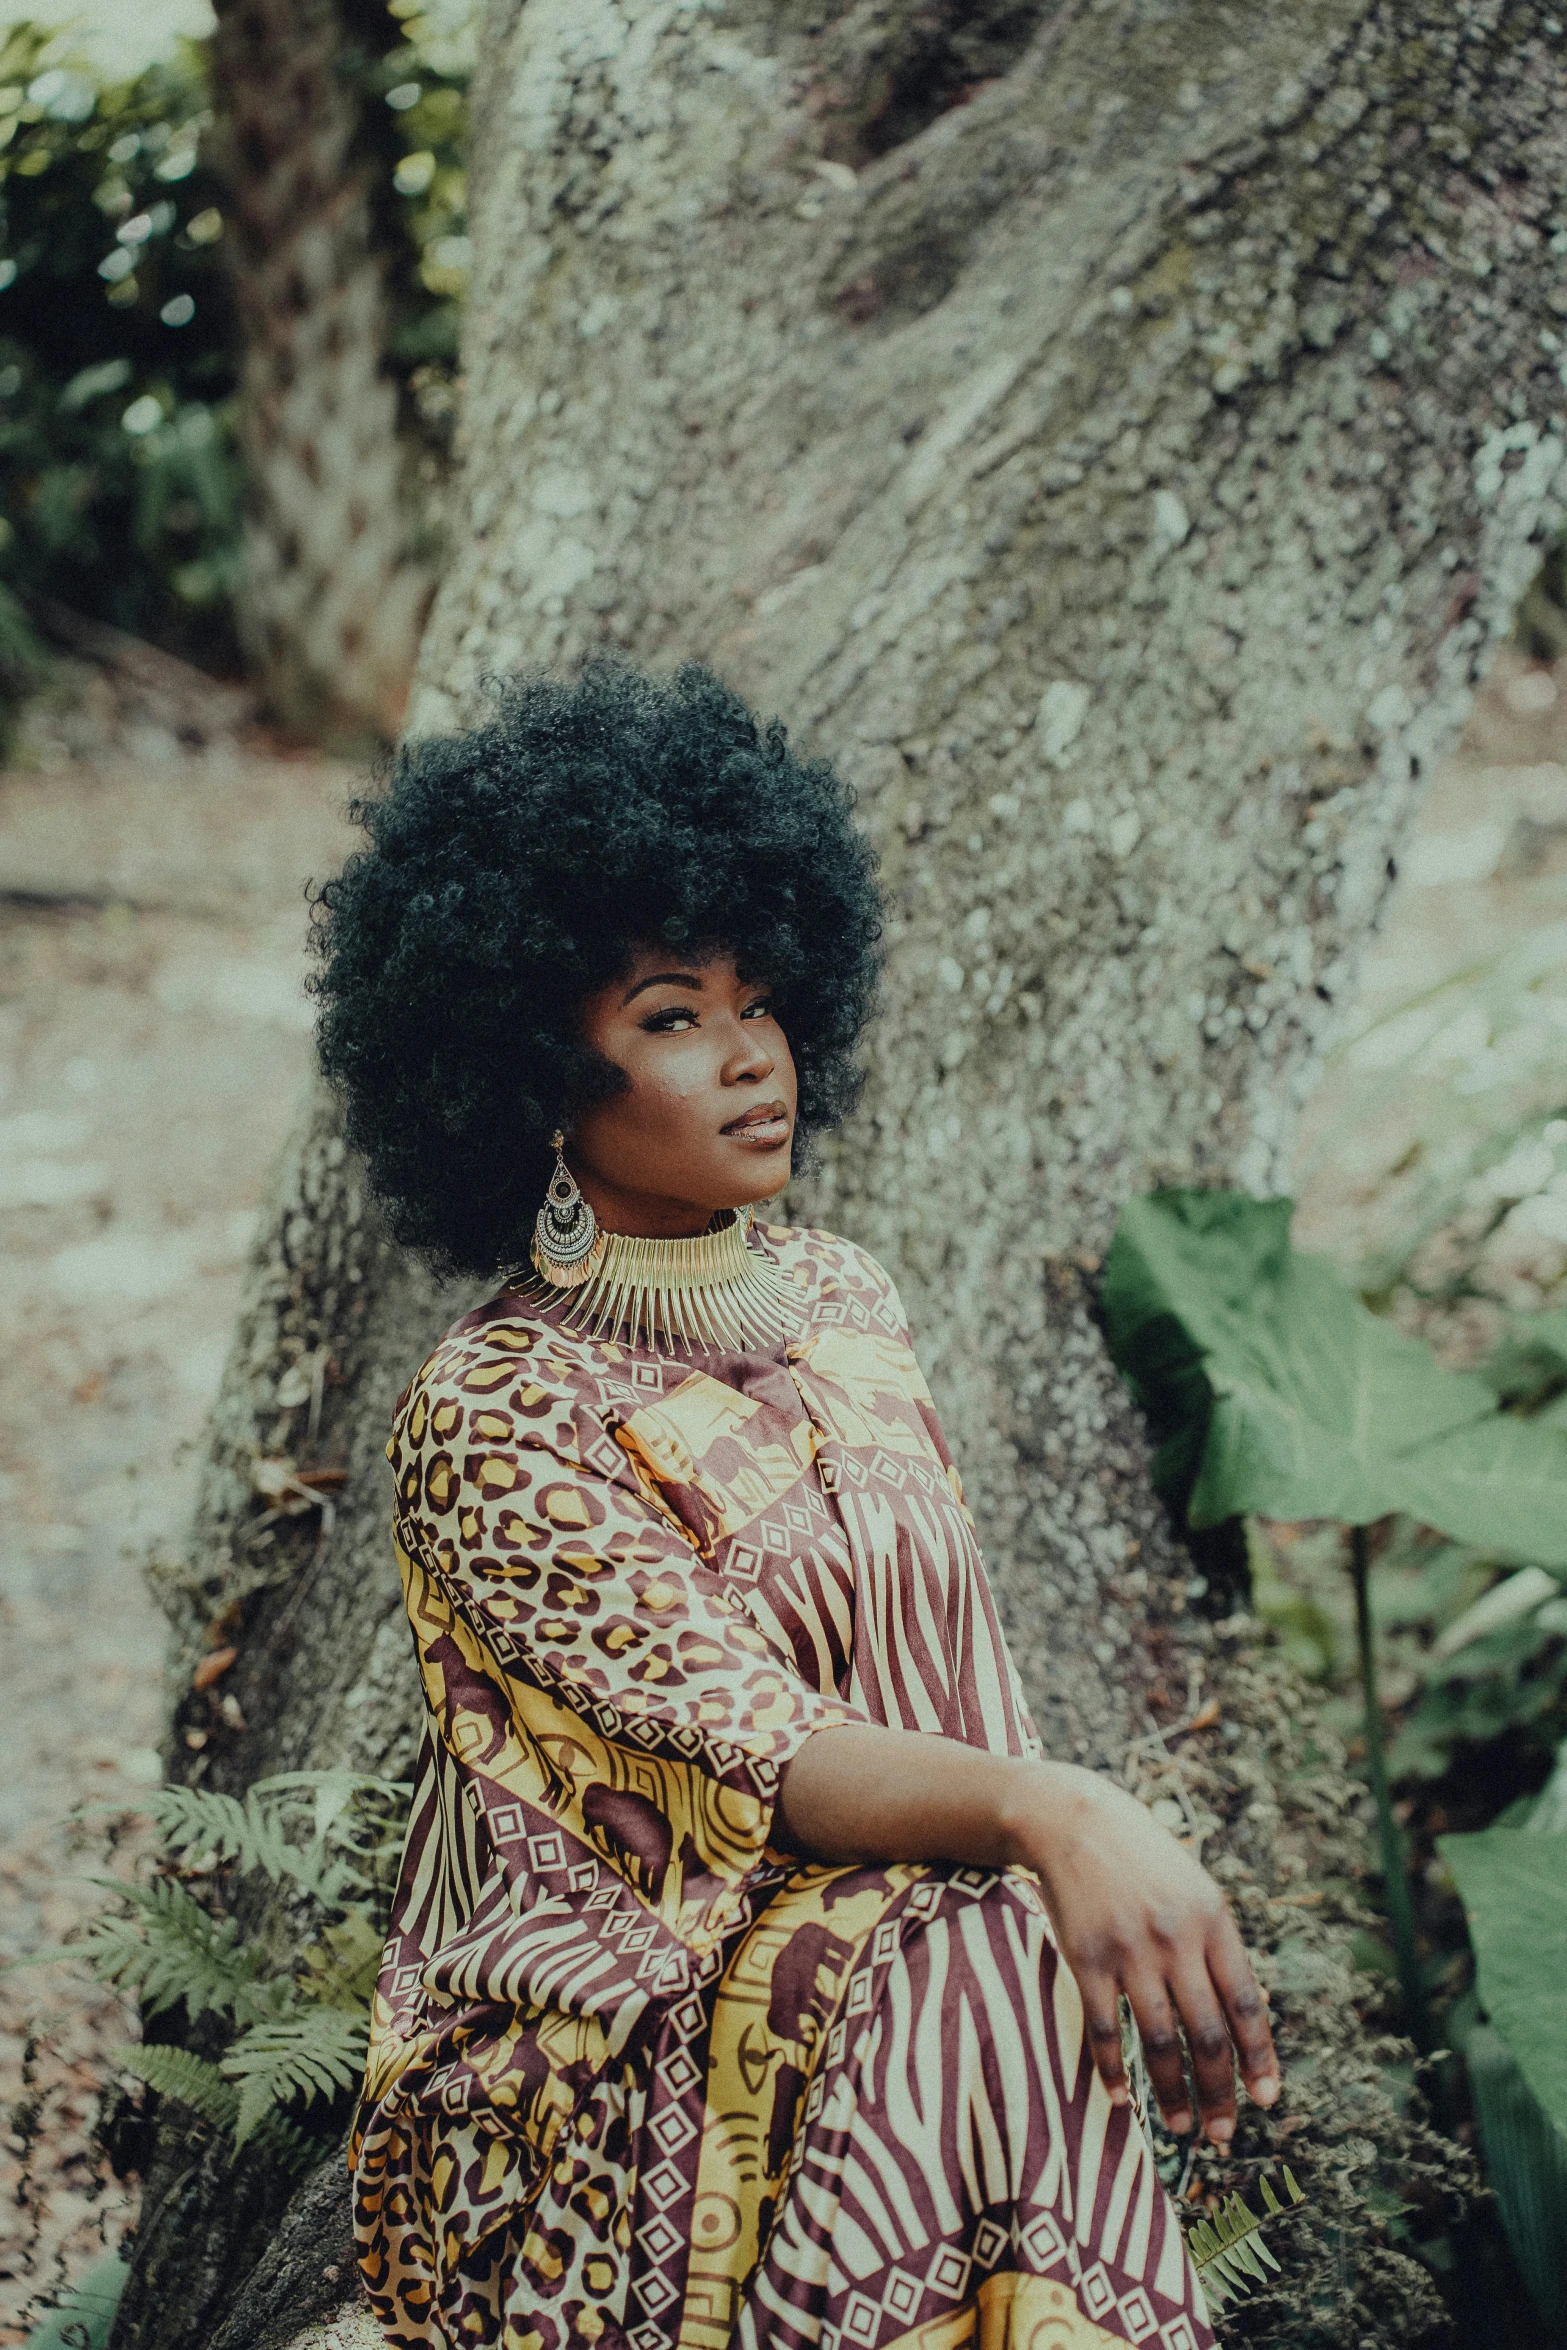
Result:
{"points": [[568, 1246]]}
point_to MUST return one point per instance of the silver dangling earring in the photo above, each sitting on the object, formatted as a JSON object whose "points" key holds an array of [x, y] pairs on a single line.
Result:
{"points": [[568, 1246]]}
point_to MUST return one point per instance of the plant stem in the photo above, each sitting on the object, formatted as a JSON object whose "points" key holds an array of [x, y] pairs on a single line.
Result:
{"points": [[1395, 1876]]}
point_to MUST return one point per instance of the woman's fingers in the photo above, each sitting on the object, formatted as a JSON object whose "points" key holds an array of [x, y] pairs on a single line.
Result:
{"points": [[1161, 2038], [1213, 2062], [1101, 1996], [1246, 2008]]}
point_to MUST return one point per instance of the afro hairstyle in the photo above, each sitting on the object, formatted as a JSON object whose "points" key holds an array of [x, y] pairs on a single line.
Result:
{"points": [[513, 870]]}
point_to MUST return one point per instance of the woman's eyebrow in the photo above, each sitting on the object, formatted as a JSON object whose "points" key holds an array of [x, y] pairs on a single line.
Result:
{"points": [[662, 979]]}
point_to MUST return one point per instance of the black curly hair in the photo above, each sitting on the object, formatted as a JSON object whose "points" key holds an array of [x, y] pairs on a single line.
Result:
{"points": [[513, 870]]}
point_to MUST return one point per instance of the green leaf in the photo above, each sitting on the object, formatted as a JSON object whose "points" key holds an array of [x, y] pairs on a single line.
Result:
{"points": [[84, 2314], [341, 1967], [1502, 1681], [356, 1826], [364, 1816], [252, 1833], [175, 2072], [1227, 2247], [94, 383], [1526, 2165], [169, 1949], [1282, 1396], [313, 2054], [1513, 1884], [334, 1792]]}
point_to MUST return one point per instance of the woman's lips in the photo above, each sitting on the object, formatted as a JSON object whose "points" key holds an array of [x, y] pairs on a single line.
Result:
{"points": [[766, 1126]]}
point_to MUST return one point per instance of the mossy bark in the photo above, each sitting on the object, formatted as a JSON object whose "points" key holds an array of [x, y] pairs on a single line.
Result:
{"points": [[1115, 432]]}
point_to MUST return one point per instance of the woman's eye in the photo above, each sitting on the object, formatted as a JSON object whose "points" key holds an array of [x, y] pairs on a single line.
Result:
{"points": [[670, 1022], [762, 1009]]}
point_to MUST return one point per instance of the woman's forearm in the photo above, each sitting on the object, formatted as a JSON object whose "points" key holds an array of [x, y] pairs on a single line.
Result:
{"points": [[866, 1793], [1135, 1915]]}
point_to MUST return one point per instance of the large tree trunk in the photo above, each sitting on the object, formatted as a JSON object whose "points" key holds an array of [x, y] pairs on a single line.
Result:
{"points": [[336, 572], [1115, 433]]}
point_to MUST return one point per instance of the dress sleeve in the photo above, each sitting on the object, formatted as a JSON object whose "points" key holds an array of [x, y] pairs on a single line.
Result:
{"points": [[610, 1705]]}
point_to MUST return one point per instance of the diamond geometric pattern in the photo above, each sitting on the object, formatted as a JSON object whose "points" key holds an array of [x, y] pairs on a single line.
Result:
{"points": [[990, 2241], [949, 2271], [1095, 2290], [1137, 2316], [1042, 2243]]}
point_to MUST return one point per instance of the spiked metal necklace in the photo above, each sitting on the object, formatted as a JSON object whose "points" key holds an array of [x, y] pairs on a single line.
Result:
{"points": [[711, 1289]]}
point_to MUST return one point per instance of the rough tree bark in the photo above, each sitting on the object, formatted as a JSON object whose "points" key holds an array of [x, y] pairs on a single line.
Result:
{"points": [[336, 576], [1115, 431]]}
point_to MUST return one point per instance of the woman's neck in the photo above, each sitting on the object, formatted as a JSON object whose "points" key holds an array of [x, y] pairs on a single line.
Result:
{"points": [[643, 1215]]}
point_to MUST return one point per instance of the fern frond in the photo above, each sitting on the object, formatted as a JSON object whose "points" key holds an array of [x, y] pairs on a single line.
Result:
{"points": [[1227, 2249], [365, 1818], [50, 1957], [335, 1792], [312, 2054], [169, 1949], [176, 2072], [199, 1819]]}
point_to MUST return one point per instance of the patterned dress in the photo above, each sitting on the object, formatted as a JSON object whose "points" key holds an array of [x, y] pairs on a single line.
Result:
{"points": [[636, 2076]]}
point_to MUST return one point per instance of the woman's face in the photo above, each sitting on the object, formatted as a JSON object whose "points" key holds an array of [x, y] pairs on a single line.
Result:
{"points": [[706, 1120]]}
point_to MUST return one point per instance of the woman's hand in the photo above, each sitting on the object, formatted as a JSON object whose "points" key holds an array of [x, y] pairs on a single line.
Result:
{"points": [[1135, 1914]]}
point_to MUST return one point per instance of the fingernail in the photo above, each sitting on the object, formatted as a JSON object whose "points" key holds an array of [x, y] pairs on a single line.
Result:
{"points": [[1118, 2096], [1180, 2122], [1221, 2132], [1266, 2089]]}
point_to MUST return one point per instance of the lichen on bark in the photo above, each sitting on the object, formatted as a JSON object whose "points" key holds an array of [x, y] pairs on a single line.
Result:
{"points": [[1123, 475]]}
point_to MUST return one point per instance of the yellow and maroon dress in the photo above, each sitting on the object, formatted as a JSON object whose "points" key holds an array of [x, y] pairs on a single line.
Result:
{"points": [[636, 2076]]}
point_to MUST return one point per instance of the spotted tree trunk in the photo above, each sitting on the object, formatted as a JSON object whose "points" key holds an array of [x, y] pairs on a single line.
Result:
{"points": [[336, 571], [1115, 432]]}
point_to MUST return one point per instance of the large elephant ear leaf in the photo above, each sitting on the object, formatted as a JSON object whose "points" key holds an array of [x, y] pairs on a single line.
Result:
{"points": [[1513, 1882], [1526, 2166], [1277, 1392], [1513, 1885]]}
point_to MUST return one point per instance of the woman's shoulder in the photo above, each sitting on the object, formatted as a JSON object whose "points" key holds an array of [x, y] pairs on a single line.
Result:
{"points": [[836, 1279], [500, 1373], [488, 1345]]}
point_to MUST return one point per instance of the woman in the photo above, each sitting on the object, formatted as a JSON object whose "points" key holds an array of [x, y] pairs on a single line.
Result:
{"points": [[724, 1998]]}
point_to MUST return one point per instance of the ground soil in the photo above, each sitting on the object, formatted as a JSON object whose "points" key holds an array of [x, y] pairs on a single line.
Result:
{"points": [[154, 1037], [153, 1041]]}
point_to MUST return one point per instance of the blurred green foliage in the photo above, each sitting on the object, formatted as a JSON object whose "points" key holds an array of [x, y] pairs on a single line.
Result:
{"points": [[1457, 1685], [120, 489], [422, 85], [1480, 1692]]}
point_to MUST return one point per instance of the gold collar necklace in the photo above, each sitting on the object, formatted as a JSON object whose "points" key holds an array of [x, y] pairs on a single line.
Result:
{"points": [[712, 1289]]}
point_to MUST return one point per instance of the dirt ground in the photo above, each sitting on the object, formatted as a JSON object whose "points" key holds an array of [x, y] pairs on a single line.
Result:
{"points": [[153, 1040], [154, 848]]}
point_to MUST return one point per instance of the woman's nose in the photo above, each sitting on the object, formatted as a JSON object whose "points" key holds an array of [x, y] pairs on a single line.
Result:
{"points": [[750, 1060]]}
